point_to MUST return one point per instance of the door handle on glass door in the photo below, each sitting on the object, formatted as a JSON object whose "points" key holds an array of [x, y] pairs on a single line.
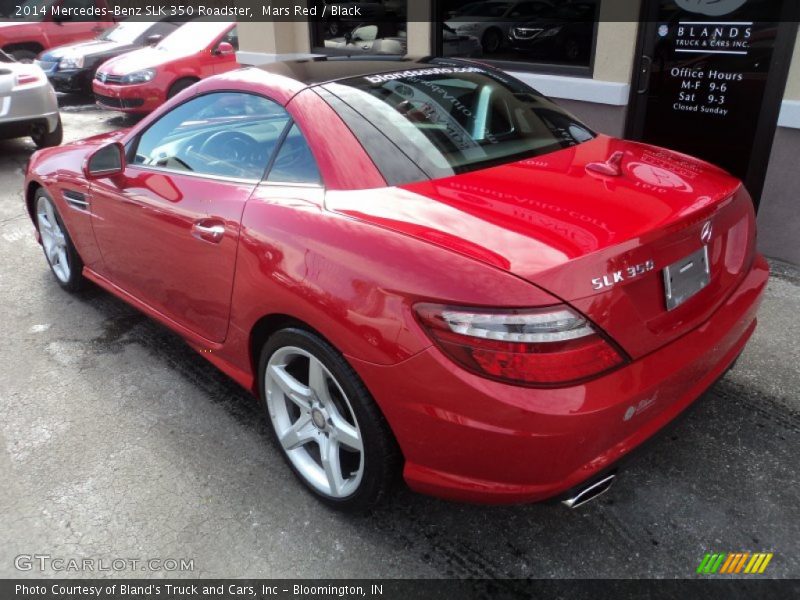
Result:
{"points": [[644, 74], [210, 231]]}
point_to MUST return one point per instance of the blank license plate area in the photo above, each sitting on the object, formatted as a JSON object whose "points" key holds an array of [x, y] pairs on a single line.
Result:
{"points": [[684, 278]]}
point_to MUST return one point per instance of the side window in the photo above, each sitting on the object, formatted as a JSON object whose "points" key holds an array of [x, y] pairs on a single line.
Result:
{"points": [[232, 37], [294, 162], [228, 134]]}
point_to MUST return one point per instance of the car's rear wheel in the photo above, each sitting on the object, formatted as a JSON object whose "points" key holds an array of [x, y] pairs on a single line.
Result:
{"points": [[326, 423], [59, 251], [45, 139], [179, 86]]}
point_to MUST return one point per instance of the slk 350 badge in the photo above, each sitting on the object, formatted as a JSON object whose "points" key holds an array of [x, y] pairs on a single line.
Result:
{"points": [[610, 280]]}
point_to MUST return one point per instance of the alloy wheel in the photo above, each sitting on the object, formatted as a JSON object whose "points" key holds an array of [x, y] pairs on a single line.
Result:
{"points": [[314, 422], [53, 239]]}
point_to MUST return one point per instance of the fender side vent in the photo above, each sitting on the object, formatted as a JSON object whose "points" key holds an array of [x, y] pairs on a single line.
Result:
{"points": [[76, 200]]}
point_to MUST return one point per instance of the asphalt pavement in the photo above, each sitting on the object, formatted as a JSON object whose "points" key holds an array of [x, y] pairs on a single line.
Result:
{"points": [[118, 441]]}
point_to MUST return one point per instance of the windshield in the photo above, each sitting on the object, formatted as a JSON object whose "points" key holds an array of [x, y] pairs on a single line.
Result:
{"points": [[193, 37], [126, 33], [454, 119]]}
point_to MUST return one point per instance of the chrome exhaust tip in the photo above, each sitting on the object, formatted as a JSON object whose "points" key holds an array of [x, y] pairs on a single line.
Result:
{"points": [[590, 492]]}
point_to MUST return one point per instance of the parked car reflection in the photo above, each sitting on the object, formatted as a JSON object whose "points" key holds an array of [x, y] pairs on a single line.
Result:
{"points": [[491, 21], [351, 13], [563, 32], [389, 38]]}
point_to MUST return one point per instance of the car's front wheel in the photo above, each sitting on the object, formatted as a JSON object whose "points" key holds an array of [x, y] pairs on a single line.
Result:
{"points": [[59, 251], [325, 421], [179, 86]]}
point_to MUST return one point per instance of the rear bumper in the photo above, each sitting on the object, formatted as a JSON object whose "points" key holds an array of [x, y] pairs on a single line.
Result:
{"points": [[470, 439], [27, 106], [140, 98]]}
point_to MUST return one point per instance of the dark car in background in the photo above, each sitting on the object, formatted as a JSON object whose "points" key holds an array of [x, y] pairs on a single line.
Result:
{"points": [[561, 32], [71, 68], [491, 20]]}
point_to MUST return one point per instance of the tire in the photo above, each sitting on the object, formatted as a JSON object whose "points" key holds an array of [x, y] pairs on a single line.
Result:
{"points": [[59, 251], [24, 56], [44, 139], [180, 85], [330, 414], [491, 41]]}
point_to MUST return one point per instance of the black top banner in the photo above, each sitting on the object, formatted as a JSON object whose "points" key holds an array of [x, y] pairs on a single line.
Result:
{"points": [[344, 10]]}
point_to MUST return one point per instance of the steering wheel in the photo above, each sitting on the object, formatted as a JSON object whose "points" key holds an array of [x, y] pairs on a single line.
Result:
{"points": [[229, 145]]}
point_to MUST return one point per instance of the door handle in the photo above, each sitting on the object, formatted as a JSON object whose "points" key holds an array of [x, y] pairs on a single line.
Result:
{"points": [[644, 74], [208, 231]]}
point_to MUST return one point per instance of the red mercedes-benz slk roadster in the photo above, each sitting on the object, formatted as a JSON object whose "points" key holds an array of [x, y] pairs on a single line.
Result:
{"points": [[421, 265]]}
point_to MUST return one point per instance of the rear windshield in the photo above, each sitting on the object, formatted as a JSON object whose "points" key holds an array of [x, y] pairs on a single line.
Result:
{"points": [[450, 120]]}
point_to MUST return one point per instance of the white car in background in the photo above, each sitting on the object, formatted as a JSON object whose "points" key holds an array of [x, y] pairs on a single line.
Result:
{"points": [[492, 20], [28, 104]]}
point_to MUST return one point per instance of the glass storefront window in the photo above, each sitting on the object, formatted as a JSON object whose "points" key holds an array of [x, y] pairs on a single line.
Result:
{"points": [[560, 33], [379, 30]]}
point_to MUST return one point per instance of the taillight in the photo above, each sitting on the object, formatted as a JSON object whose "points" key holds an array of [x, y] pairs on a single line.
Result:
{"points": [[26, 78], [552, 346]]}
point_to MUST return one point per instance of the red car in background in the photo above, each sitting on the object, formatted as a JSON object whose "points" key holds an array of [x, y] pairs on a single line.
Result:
{"points": [[417, 265], [142, 80], [35, 27]]}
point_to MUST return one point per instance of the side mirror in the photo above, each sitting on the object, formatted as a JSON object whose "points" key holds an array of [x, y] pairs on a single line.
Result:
{"points": [[224, 49], [106, 161], [61, 17], [152, 40]]}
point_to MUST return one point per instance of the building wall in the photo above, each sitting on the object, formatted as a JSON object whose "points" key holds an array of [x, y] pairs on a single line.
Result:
{"points": [[779, 214]]}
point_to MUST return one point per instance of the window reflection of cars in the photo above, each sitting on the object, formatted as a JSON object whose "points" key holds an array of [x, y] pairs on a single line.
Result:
{"points": [[387, 38], [491, 21], [559, 32], [367, 11]]}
